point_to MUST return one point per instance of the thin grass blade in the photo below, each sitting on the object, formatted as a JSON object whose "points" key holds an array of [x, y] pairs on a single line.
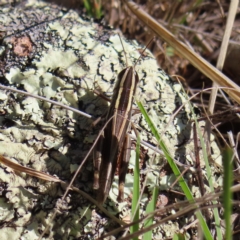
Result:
{"points": [[227, 193], [178, 236], [150, 208], [136, 190]]}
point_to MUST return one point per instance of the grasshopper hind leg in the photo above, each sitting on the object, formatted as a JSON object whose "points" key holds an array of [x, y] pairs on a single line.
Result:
{"points": [[124, 160], [106, 167], [97, 157]]}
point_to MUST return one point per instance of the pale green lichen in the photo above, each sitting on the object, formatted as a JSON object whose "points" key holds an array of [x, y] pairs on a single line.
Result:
{"points": [[72, 56]]}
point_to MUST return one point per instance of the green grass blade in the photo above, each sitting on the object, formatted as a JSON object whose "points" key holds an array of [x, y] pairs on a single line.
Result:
{"points": [[87, 6], [227, 196], [170, 160], [136, 190], [150, 208], [178, 236], [175, 170], [94, 9], [98, 9]]}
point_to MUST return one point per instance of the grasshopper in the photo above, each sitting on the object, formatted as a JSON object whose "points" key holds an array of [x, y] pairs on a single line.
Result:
{"points": [[113, 148]]}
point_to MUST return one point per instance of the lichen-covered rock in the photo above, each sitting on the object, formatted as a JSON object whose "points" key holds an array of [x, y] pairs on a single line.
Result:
{"points": [[56, 54]]}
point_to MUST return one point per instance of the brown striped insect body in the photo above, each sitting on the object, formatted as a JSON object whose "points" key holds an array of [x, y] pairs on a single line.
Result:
{"points": [[113, 149]]}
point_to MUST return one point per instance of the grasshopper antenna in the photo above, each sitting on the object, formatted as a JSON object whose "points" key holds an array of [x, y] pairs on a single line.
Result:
{"points": [[143, 51], [123, 49], [140, 54]]}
